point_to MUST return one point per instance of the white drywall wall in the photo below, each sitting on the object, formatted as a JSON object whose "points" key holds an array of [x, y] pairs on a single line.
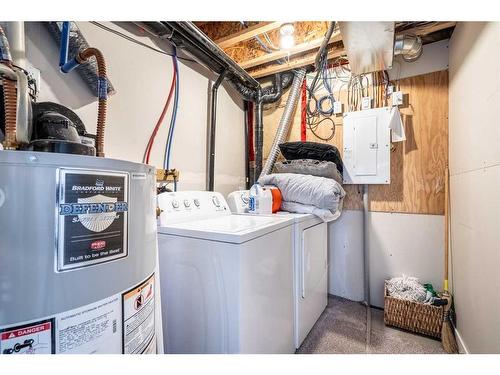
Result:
{"points": [[345, 256], [475, 182], [409, 244], [142, 79], [434, 58], [398, 244]]}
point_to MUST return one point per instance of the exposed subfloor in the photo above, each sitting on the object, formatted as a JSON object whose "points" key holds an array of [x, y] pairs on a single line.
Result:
{"points": [[341, 329]]}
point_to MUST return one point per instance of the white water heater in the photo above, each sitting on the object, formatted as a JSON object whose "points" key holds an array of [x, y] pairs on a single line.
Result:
{"points": [[78, 255]]}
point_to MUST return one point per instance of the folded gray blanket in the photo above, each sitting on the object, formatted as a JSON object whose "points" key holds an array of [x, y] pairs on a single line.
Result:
{"points": [[320, 192], [318, 168]]}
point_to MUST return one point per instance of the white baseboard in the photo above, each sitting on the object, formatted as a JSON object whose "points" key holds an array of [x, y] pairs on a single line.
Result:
{"points": [[462, 348]]}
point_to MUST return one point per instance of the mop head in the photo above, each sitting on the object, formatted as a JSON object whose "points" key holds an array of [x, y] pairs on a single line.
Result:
{"points": [[407, 288]]}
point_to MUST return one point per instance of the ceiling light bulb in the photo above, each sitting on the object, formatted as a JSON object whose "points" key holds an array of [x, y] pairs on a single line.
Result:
{"points": [[287, 39], [287, 29]]}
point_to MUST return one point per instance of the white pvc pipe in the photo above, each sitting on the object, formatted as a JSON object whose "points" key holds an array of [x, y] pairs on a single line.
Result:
{"points": [[15, 33], [17, 42], [366, 265]]}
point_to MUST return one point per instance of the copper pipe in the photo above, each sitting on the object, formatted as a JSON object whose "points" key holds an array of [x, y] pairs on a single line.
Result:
{"points": [[10, 108], [82, 57], [9, 94]]}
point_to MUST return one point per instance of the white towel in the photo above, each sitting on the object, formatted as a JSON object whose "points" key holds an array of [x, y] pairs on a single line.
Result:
{"points": [[396, 125]]}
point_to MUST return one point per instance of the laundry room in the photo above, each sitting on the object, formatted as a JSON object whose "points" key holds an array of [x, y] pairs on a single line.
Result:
{"points": [[249, 183]]}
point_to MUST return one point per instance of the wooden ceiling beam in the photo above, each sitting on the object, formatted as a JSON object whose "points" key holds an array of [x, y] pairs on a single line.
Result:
{"points": [[294, 64], [297, 49], [428, 29], [248, 33], [300, 48]]}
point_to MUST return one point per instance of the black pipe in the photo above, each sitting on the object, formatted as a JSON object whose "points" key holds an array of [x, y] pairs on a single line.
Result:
{"points": [[247, 156], [187, 36], [213, 128], [270, 94], [275, 93], [194, 35], [259, 135]]}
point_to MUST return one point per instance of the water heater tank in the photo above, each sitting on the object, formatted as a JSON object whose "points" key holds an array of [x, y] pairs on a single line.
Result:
{"points": [[77, 255]]}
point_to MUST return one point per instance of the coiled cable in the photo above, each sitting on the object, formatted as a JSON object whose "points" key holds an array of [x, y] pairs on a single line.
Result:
{"points": [[102, 94]]}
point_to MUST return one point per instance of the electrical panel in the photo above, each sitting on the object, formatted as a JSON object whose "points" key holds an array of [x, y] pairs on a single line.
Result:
{"points": [[367, 145]]}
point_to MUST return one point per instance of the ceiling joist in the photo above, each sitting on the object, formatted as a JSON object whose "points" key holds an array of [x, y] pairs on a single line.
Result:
{"points": [[304, 61], [297, 49], [425, 30], [236, 41], [248, 33], [294, 64]]}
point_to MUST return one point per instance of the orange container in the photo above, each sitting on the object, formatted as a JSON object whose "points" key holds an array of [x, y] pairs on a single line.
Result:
{"points": [[276, 194]]}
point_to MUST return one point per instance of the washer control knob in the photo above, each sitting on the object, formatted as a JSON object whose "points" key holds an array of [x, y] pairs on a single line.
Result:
{"points": [[175, 204], [216, 201], [196, 202], [187, 203]]}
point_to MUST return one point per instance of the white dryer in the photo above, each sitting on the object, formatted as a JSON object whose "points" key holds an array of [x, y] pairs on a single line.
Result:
{"points": [[226, 280], [310, 269]]}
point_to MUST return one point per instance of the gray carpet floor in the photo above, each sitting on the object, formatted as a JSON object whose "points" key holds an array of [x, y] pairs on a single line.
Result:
{"points": [[341, 329]]}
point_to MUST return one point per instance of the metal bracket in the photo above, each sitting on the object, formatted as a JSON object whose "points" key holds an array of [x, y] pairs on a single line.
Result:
{"points": [[167, 175]]}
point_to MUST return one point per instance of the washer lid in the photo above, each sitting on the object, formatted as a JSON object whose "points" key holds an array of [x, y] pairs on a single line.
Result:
{"points": [[231, 228], [296, 217]]}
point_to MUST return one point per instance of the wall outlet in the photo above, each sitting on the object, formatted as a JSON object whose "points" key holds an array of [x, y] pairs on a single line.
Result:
{"points": [[397, 98], [390, 90], [366, 102], [337, 108]]}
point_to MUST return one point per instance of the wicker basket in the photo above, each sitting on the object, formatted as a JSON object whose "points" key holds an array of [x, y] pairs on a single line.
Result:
{"points": [[413, 316]]}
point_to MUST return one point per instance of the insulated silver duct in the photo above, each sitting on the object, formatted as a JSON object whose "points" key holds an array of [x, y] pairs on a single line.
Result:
{"points": [[77, 43], [24, 113], [286, 118], [408, 46]]}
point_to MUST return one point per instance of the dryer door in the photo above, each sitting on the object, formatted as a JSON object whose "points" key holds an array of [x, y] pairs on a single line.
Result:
{"points": [[313, 290], [313, 287], [314, 260]]}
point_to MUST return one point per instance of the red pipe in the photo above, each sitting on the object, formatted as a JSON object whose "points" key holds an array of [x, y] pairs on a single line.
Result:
{"points": [[160, 120], [303, 113]]}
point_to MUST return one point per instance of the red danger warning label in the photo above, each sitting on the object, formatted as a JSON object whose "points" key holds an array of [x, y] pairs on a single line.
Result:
{"points": [[26, 331], [33, 338]]}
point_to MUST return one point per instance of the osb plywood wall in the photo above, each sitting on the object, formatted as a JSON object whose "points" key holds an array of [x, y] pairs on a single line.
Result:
{"points": [[417, 164]]}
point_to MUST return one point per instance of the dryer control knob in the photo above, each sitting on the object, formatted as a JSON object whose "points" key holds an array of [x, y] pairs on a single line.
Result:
{"points": [[175, 204], [216, 201], [245, 198]]}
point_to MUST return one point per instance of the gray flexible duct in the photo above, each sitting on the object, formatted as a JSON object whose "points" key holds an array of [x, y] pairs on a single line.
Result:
{"points": [[285, 121]]}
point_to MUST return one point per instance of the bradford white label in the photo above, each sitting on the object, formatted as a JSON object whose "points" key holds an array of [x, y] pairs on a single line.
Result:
{"points": [[92, 216]]}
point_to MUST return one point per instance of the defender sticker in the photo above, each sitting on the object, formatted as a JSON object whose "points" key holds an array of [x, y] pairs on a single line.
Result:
{"points": [[92, 215]]}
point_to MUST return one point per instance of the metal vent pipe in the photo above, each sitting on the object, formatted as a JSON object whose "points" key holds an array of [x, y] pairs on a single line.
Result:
{"points": [[408, 46], [285, 121]]}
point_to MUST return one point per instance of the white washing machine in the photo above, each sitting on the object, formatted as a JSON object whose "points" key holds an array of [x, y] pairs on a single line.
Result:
{"points": [[310, 249], [226, 280]]}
